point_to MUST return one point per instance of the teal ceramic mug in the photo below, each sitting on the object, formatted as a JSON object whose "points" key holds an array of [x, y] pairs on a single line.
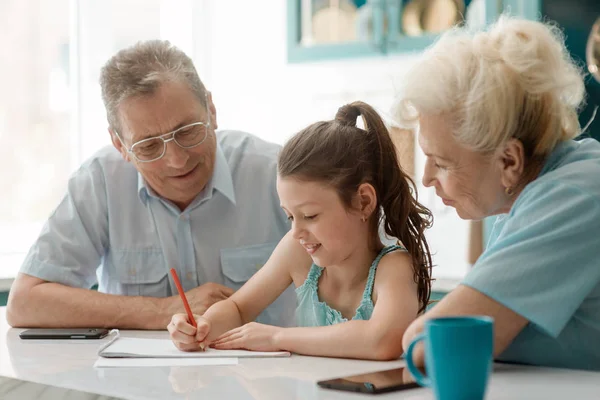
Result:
{"points": [[458, 356]]}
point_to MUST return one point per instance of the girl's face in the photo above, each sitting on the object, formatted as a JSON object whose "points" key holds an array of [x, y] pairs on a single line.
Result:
{"points": [[328, 231]]}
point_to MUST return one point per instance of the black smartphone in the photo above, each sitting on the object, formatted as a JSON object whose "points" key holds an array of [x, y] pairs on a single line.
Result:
{"points": [[376, 382], [81, 333]]}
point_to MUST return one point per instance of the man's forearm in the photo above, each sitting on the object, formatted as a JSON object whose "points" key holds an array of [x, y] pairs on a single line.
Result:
{"points": [[52, 305]]}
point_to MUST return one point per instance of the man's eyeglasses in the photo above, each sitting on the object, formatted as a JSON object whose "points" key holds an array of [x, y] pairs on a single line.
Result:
{"points": [[154, 148]]}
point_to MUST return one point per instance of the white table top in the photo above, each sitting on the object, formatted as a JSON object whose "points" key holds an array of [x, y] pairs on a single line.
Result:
{"points": [[69, 364]]}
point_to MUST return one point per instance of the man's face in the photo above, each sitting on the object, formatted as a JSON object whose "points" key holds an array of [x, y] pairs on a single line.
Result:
{"points": [[181, 174]]}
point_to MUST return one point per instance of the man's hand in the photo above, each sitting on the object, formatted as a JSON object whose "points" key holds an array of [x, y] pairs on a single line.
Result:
{"points": [[202, 297]]}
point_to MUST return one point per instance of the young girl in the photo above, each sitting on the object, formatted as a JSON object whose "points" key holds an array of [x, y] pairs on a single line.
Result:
{"points": [[337, 183]]}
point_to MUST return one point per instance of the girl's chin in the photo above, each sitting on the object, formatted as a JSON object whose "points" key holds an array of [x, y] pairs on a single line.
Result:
{"points": [[322, 261], [318, 260]]}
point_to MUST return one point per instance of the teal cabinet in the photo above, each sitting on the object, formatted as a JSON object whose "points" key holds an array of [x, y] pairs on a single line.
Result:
{"points": [[530, 9], [411, 28], [323, 29], [341, 29]]}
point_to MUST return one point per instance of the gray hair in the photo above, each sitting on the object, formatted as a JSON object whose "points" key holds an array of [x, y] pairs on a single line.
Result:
{"points": [[141, 69], [515, 80]]}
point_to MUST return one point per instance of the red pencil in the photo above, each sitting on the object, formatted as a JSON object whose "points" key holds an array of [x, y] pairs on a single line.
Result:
{"points": [[186, 305]]}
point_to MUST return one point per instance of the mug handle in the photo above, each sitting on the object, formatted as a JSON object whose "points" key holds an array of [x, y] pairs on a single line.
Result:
{"points": [[419, 377]]}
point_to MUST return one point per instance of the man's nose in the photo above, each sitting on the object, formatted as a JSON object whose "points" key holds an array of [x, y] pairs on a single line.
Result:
{"points": [[176, 156]]}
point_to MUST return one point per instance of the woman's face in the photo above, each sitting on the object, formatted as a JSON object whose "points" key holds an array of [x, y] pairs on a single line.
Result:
{"points": [[466, 180]]}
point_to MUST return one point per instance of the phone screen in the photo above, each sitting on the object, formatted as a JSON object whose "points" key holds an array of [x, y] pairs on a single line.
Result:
{"points": [[375, 382]]}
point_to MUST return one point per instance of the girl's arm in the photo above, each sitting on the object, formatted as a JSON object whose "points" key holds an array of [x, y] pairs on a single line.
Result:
{"points": [[248, 302], [379, 338]]}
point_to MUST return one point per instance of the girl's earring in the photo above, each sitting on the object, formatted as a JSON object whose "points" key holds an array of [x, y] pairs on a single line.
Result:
{"points": [[509, 191], [364, 219]]}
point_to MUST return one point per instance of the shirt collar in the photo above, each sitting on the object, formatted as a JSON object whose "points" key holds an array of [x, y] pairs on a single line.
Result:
{"points": [[142, 189], [556, 156], [221, 180]]}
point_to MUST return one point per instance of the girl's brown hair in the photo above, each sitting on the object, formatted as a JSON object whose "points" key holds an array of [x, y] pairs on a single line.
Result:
{"points": [[344, 156]]}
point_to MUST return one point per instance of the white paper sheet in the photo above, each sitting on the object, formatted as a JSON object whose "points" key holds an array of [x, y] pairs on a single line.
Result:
{"points": [[164, 348], [161, 362]]}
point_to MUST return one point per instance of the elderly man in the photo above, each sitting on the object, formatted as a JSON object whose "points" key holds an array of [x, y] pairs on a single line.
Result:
{"points": [[172, 193]]}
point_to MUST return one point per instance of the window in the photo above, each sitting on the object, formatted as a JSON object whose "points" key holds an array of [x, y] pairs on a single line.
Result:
{"points": [[51, 111], [107, 26], [35, 114]]}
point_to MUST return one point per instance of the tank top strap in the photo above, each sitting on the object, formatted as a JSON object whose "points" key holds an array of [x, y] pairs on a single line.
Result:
{"points": [[371, 279], [312, 279]]}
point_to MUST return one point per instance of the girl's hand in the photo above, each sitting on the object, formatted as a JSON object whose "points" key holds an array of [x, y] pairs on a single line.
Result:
{"points": [[252, 336], [185, 336]]}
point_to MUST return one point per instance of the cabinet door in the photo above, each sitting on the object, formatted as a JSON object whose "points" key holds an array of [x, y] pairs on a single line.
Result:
{"points": [[412, 25], [529, 9], [334, 29]]}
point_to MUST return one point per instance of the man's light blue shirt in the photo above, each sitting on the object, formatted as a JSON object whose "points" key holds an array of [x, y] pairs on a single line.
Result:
{"points": [[542, 261], [111, 228]]}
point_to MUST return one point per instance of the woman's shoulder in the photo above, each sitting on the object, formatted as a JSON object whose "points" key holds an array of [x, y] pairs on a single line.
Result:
{"points": [[576, 162], [563, 202], [567, 196], [571, 173]]}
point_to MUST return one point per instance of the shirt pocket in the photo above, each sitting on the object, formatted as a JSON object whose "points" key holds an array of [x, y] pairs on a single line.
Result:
{"points": [[140, 272], [239, 264]]}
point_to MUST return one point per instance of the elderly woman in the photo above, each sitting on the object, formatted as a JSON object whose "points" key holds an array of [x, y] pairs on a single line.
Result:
{"points": [[497, 119]]}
